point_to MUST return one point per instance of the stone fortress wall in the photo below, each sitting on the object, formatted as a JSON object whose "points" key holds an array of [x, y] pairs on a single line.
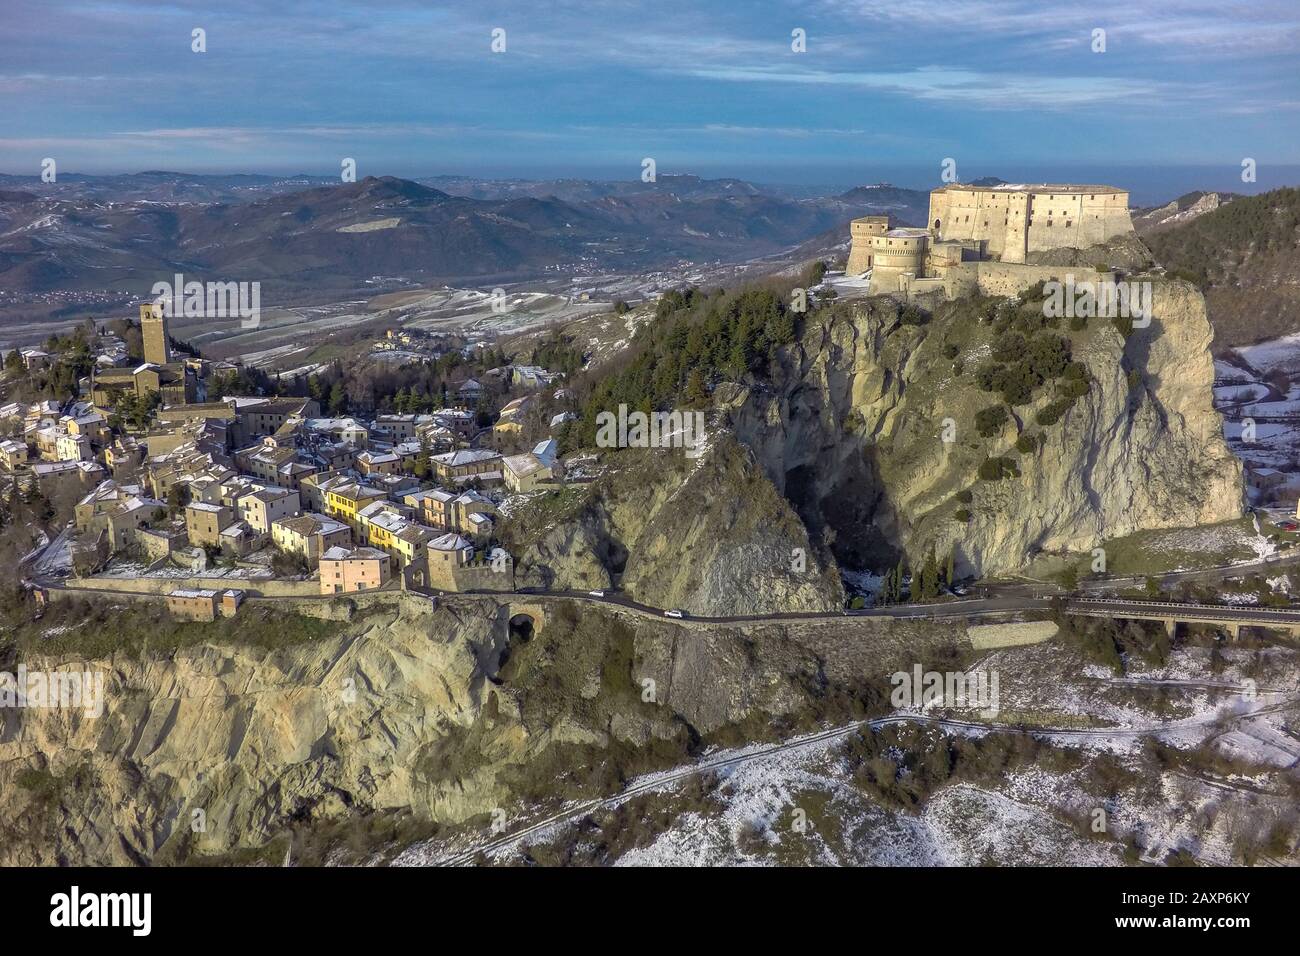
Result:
{"points": [[978, 238], [1014, 221]]}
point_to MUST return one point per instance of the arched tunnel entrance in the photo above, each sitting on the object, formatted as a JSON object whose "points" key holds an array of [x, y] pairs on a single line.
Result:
{"points": [[521, 628], [523, 623], [524, 620]]}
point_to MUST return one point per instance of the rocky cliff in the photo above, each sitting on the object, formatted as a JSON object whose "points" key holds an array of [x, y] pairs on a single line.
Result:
{"points": [[871, 430], [439, 715], [708, 534]]}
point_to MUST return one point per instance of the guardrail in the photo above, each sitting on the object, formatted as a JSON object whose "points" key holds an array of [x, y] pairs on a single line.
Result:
{"points": [[1240, 608]]}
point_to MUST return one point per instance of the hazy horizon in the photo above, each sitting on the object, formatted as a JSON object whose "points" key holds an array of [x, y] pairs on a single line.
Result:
{"points": [[1147, 185]]}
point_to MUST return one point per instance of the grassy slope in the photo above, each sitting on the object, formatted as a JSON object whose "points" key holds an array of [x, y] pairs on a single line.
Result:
{"points": [[97, 629]]}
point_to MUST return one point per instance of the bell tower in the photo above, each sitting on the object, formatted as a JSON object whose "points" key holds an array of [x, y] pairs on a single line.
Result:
{"points": [[153, 328]]}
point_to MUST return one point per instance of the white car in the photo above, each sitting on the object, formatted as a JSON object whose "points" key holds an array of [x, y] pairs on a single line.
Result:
{"points": [[674, 612], [596, 593]]}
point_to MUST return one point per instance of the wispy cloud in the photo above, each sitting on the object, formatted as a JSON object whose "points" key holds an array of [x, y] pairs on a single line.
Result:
{"points": [[1172, 27], [1003, 91], [304, 79]]}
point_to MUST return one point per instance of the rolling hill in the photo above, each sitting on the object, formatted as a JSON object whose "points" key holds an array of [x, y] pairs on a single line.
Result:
{"points": [[82, 246], [1245, 257]]}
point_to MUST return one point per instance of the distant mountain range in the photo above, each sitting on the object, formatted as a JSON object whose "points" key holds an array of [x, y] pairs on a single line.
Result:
{"points": [[306, 240], [93, 245]]}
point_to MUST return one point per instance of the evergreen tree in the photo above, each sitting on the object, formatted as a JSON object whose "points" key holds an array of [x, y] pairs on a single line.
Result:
{"points": [[422, 463], [338, 398]]}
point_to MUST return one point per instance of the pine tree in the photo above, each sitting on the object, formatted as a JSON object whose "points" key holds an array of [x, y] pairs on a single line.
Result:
{"points": [[929, 578], [338, 398], [697, 393]]}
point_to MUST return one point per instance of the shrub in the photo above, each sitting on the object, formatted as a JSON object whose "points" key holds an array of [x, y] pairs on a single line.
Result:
{"points": [[1050, 414], [1009, 347], [911, 315], [962, 515], [1026, 444], [1048, 355], [1074, 388], [995, 469], [989, 421], [1017, 383], [965, 496]]}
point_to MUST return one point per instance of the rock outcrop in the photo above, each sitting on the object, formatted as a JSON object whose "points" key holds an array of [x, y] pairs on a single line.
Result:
{"points": [[710, 535], [439, 714], [870, 431]]}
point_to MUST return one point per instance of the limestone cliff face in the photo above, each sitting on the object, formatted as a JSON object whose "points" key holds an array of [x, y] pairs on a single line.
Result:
{"points": [[249, 738], [710, 535], [854, 430], [440, 714]]}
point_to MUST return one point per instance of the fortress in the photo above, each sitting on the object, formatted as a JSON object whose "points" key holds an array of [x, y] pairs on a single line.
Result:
{"points": [[985, 238]]}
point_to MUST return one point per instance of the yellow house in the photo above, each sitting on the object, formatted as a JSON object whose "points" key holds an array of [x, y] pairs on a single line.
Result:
{"points": [[13, 454], [466, 463], [386, 528], [344, 501]]}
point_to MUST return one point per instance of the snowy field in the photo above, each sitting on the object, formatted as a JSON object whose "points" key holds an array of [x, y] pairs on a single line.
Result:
{"points": [[1258, 394]]}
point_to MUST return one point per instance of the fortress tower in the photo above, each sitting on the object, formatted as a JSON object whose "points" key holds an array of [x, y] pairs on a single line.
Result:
{"points": [[153, 328], [895, 253], [860, 233]]}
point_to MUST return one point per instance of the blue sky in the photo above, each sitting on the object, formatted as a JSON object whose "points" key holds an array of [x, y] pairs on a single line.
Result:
{"points": [[589, 89]]}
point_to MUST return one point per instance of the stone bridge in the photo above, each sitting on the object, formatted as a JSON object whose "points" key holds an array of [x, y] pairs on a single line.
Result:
{"points": [[530, 616]]}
